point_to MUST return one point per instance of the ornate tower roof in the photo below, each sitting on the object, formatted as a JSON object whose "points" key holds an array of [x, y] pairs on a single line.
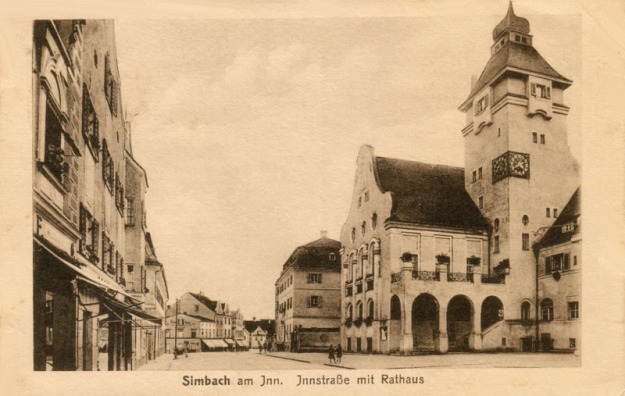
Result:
{"points": [[511, 22]]}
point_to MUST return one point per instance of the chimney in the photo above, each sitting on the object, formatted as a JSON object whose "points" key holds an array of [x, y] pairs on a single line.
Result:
{"points": [[324, 234], [473, 80]]}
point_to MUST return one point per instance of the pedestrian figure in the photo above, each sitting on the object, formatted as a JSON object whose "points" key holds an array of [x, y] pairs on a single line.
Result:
{"points": [[339, 353], [331, 355], [260, 348], [186, 351], [265, 347]]}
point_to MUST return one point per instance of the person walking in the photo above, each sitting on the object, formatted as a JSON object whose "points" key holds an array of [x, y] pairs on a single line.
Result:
{"points": [[339, 353], [260, 348], [331, 354]]}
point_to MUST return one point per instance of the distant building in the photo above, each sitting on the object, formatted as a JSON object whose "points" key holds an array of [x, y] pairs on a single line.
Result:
{"points": [[308, 297], [258, 331]]}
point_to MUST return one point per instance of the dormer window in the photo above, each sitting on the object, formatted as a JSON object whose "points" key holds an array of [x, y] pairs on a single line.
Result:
{"points": [[481, 105], [568, 227], [541, 91]]}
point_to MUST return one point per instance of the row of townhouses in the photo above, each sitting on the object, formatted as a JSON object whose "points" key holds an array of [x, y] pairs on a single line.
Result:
{"points": [[100, 292], [439, 258], [197, 323]]}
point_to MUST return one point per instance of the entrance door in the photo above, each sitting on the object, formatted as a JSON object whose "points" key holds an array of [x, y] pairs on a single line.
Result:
{"points": [[358, 344], [369, 344], [545, 341], [526, 344]]}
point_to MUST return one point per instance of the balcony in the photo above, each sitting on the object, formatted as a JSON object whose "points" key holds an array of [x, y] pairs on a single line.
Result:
{"points": [[426, 275], [493, 278], [459, 277]]}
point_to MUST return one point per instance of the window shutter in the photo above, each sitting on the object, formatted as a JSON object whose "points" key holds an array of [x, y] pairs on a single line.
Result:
{"points": [[533, 89], [548, 265], [548, 92], [567, 263], [319, 301], [96, 235]]}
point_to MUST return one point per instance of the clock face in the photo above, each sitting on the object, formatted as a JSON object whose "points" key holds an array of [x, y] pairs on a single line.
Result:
{"points": [[500, 168], [511, 164], [519, 165]]}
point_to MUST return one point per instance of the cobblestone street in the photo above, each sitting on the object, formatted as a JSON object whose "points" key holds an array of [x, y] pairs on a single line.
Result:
{"points": [[252, 360]]}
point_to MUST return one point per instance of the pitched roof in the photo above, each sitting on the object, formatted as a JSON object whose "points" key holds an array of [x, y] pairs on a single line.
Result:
{"points": [[428, 194], [210, 304], [150, 252], [265, 324], [315, 254], [519, 56], [555, 235]]}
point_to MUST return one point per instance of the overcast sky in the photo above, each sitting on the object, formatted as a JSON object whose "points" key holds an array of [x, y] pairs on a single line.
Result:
{"points": [[249, 128]]}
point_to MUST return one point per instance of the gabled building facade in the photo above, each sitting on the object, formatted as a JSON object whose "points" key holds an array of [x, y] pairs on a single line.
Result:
{"points": [[440, 258], [84, 315]]}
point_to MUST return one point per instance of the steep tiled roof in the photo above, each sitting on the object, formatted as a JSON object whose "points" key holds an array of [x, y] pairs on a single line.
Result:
{"points": [[150, 252], [316, 254], [520, 56], [555, 234], [428, 194], [210, 304]]}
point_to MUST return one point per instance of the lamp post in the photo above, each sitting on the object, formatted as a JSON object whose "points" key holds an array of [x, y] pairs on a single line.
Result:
{"points": [[176, 332]]}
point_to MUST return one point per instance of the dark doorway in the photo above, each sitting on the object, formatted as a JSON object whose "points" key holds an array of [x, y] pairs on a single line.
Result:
{"points": [[459, 323], [492, 312], [546, 342], [358, 344], [394, 329], [424, 322], [526, 344], [369, 344]]}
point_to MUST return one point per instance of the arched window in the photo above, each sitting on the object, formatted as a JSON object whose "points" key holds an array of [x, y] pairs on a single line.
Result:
{"points": [[496, 223], [546, 309], [332, 257], [359, 309], [353, 234], [363, 228], [525, 311], [395, 308], [525, 220], [370, 309], [374, 220], [350, 312]]}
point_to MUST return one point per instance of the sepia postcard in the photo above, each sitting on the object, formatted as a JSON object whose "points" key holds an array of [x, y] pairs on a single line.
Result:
{"points": [[287, 197]]}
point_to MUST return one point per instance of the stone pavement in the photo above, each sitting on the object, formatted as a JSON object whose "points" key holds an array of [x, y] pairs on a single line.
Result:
{"points": [[252, 360]]}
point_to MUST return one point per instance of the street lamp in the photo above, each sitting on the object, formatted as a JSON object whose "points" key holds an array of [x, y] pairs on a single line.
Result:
{"points": [[176, 332]]}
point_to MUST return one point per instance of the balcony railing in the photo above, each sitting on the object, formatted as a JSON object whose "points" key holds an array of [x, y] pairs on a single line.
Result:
{"points": [[425, 275], [459, 277], [395, 277], [493, 278]]}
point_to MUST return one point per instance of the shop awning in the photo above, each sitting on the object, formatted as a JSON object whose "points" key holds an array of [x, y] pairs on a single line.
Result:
{"points": [[214, 343], [229, 341], [240, 343], [111, 303], [86, 274]]}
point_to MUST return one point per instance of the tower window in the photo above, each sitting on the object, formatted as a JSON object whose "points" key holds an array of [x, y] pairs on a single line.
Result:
{"points": [[525, 220], [548, 212], [574, 310], [555, 212], [525, 241], [498, 132], [354, 233], [359, 201], [480, 202], [363, 228], [496, 223], [496, 244], [366, 196], [474, 176], [534, 137], [374, 220], [542, 138], [479, 173], [541, 91]]}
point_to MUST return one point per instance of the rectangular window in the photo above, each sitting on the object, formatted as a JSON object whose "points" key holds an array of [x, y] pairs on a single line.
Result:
{"points": [[567, 262], [131, 268], [573, 310], [54, 157], [197, 308], [480, 202], [474, 176], [89, 235], [572, 343], [548, 212], [359, 201], [574, 261], [542, 139], [314, 278], [108, 168], [90, 124], [504, 341], [496, 244], [534, 137], [130, 212], [314, 302], [555, 213], [498, 132], [479, 173], [541, 91], [525, 241], [481, 104], [366, 196]]}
